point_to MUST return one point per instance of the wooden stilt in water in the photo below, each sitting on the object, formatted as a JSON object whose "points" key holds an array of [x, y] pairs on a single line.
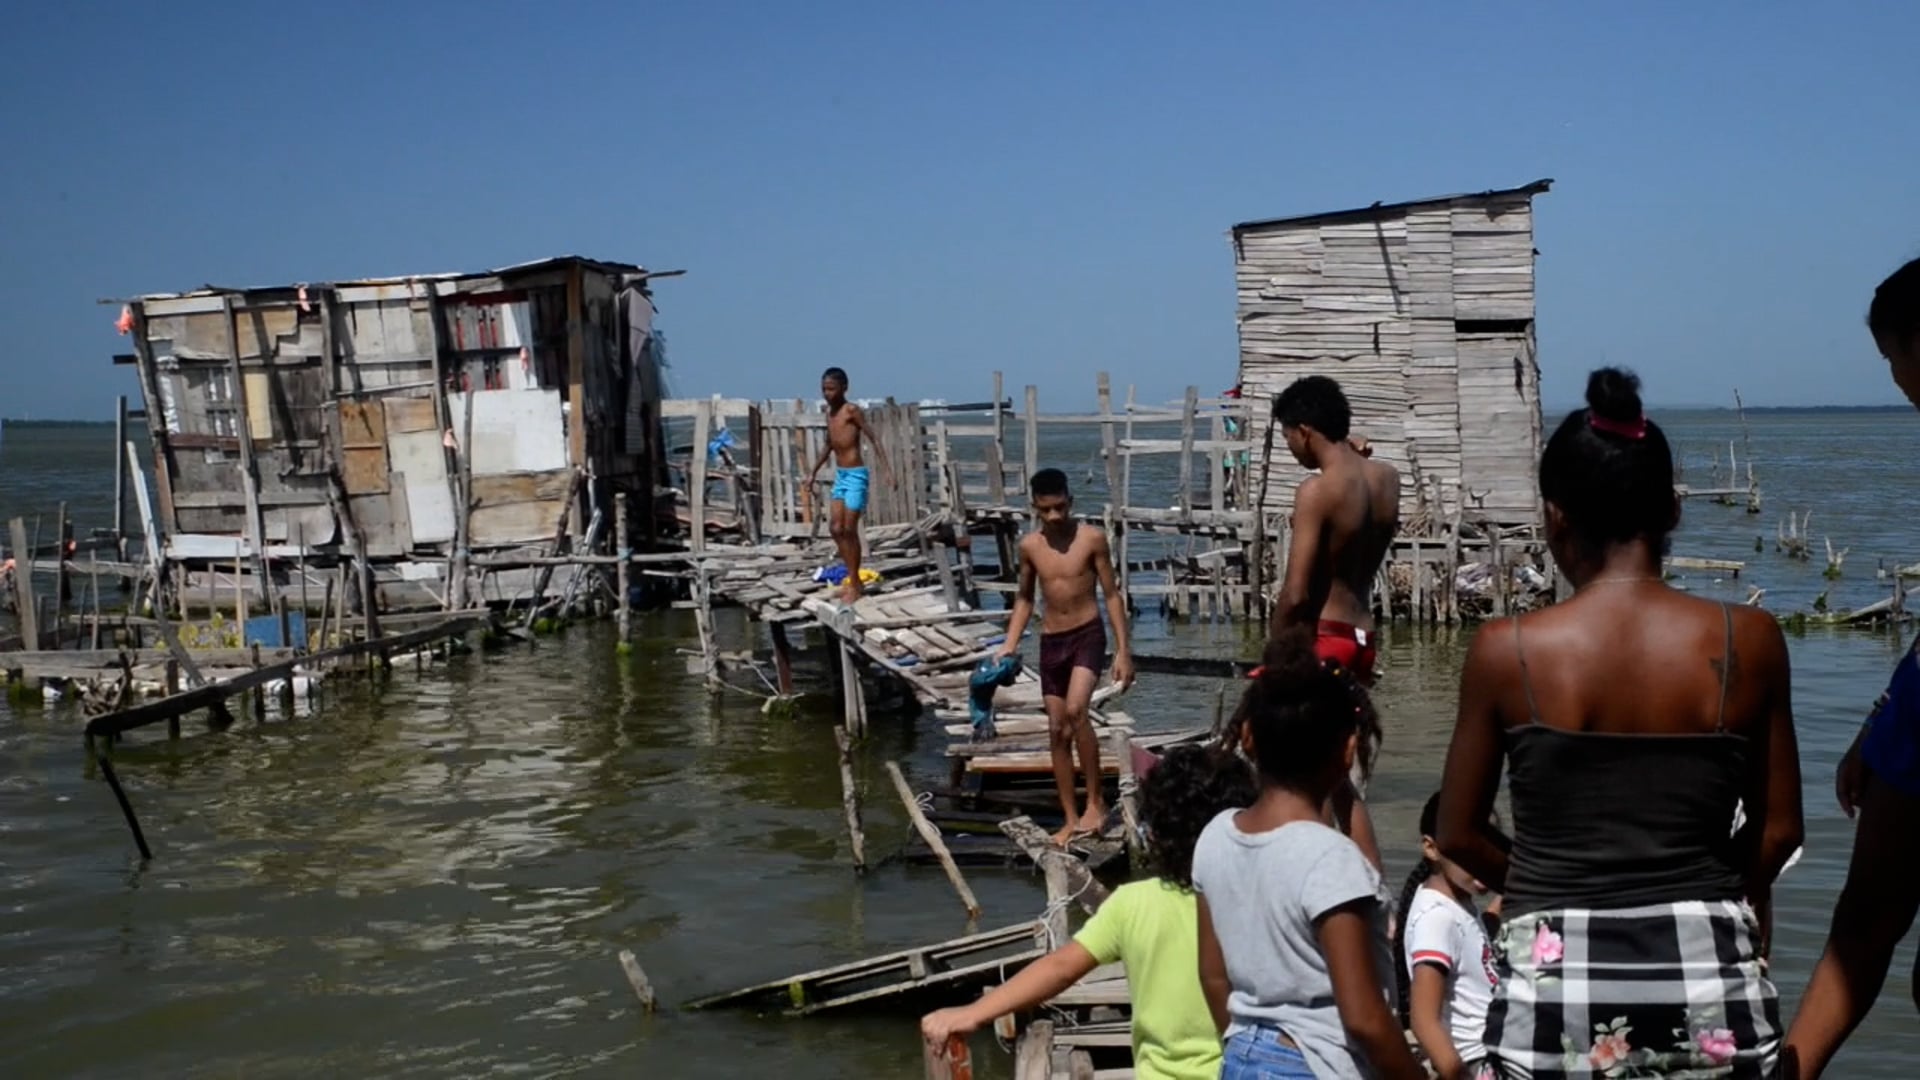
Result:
{"points": [[120, 480], [782, 657], [932, 837], [637, 979], [850, 800], [625, 569], [854, 698], [25, 608]]}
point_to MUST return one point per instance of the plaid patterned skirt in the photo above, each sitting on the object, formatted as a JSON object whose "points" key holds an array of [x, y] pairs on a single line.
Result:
{"points": [[1667, 990]]}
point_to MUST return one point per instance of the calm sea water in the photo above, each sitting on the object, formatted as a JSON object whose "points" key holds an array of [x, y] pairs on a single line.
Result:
{"points": [[430, 876]]}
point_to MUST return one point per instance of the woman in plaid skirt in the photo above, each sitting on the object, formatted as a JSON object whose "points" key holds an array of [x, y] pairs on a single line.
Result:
{"points": [[1636, 723]]}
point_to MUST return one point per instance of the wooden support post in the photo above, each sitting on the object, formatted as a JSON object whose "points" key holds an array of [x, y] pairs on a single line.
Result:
{"points": [[637, 979], [1129, 813], [239, 601], [703, 625], [1186, 453], [458, 590], [996, 476], [949, 586], [999, 422], [853, 696], [1109, 439], [850, 800], [950, 1062], [120, 480], [932, 836], [93, 587], [1217, 464], [1058, 897], [782, 657], [249, 475], [624, 576], [172, 688], [1033, 1057], [62, 533], [1033, 435], [25, 609], [1417, 592], [697, 480]]}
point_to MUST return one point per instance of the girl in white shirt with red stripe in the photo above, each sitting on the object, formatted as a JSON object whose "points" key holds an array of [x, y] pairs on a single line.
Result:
{"points": [[1447, 979]]}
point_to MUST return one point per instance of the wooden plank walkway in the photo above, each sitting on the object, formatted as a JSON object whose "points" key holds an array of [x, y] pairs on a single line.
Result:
{"points": [[915, 626]]}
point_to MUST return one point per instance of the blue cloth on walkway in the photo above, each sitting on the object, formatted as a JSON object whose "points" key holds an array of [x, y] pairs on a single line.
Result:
{"points": [[723, 441], [831, 575], [989, 675]]}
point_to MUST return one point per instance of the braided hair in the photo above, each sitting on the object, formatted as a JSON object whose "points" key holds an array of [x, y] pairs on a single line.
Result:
{"points": [[1422, 870]]}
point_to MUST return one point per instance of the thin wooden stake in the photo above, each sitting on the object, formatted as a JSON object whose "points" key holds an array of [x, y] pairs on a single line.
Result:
{"points": [[932, 836], [625, 569], [637, 979], [850, 800]]}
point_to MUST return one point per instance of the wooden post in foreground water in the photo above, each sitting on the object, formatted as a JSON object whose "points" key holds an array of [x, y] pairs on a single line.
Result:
{"points": [[625, 568]]}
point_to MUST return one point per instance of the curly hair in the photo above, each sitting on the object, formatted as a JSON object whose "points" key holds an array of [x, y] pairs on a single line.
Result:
{"points": [[1302, 709], [1188, 787]]}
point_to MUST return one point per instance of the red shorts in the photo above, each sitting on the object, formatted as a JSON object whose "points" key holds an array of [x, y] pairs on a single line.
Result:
{"points": [[1349, 646]]}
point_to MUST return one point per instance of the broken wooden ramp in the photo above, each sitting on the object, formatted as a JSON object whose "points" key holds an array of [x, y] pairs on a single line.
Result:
{"points": [[977, 960]]}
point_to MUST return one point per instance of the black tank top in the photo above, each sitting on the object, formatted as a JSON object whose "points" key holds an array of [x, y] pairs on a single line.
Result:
{"points": [[1608, 820]]}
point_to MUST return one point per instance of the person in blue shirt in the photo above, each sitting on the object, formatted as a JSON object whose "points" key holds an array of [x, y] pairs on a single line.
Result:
{"points": [[1878, 784]]}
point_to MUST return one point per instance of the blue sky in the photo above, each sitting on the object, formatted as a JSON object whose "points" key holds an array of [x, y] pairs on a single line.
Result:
{"points": [[924, 193]]}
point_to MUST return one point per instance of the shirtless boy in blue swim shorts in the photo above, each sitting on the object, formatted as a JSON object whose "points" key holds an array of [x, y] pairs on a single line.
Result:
{"points": [[845, 425]]}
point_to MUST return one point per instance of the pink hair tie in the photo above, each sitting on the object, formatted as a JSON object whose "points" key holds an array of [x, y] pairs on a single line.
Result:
{"points": [[1635, 430]]}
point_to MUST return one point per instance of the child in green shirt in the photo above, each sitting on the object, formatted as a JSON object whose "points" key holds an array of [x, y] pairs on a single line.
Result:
{"points": [[1150, 926]]}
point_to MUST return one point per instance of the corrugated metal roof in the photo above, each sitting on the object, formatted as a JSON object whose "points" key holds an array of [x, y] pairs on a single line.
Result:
{"points": [[515, 269], [1365, 212]]}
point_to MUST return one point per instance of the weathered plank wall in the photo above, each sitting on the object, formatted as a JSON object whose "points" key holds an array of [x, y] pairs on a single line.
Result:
{"points": [[1423, 313]]}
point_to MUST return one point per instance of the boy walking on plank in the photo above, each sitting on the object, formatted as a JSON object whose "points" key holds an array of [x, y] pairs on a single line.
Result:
{"points": [[1343, 524], [1070, 560], [846, 423]]}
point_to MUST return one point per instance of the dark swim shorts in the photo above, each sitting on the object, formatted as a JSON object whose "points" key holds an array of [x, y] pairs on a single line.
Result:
{"points": [[1082, 647]]}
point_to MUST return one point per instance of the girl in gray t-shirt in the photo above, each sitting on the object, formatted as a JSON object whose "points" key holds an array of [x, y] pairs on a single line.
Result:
{"points": [[1293, 949]]}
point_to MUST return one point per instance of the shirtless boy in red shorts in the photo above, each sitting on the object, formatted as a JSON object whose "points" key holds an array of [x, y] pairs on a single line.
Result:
{"points": [[1343, 524], [1070, 560]]}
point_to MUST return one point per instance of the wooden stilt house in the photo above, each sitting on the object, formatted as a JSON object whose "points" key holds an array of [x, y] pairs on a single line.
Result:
{"points": [[415, 420], [1424, 312]]}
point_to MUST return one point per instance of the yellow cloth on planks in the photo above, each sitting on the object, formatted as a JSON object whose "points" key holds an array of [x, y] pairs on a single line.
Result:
{"points": [[1152, 927]]}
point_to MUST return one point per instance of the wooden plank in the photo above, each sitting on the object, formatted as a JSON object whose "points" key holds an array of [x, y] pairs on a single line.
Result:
{"points": [[26, 609], [932, 837], [1033, 1057], [849, 796], [942, 963], [115, 723], [1085, 889], [1033, 433], [576, 366]]}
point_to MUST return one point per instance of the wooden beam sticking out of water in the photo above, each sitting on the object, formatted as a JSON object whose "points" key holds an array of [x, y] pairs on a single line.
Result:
{"points": [[975, 960], [637, 979], [850, 800], [932, 836], [24, 608]]}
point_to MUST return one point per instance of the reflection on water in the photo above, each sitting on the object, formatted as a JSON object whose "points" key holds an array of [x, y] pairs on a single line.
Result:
{"points": [[431, 876]]}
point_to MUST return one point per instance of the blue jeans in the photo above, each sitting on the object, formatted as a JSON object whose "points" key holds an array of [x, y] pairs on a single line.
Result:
{"points": [[1258, 1054]]}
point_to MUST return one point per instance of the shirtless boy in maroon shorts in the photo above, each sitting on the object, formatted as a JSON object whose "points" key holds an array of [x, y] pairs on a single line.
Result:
{"points": [[1070, 560]]}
